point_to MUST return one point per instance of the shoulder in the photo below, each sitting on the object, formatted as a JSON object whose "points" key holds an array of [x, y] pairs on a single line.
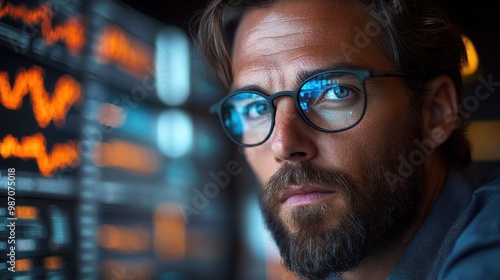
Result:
{"points": [[476, 252], [485, 199]]}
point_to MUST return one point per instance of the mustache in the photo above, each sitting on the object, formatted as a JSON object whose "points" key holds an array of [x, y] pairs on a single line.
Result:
{"points": [[304, 173]]}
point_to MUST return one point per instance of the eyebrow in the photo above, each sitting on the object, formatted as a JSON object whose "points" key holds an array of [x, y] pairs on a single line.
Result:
{"points": [[302, 75], [248, 88]]}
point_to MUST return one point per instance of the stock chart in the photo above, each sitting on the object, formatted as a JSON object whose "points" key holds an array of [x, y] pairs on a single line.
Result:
{"points": [[104, 149]]}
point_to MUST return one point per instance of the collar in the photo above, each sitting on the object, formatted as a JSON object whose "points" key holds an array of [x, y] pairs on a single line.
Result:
{"points": [[417, 260]]}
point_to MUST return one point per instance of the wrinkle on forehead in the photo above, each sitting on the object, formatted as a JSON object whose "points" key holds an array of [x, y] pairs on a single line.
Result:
{"points": [[292, 34], [283, 18], [287, 36], [295, 27]]}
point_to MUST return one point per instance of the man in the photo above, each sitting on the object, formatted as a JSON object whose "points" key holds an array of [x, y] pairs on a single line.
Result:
{"points": [[349, 114]]}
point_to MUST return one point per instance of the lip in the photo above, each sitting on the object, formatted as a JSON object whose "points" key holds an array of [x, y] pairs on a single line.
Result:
{"points": [[304, 195]]}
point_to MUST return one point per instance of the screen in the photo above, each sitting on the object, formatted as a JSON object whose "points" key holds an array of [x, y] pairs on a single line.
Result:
{"points": [[109, 165]]}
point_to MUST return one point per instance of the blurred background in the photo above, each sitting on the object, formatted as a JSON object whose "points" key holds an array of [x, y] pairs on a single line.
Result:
{"points": [[120, 171]]}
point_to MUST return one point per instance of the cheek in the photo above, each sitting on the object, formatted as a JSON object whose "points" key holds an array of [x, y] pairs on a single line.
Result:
{"points": [[379, 135], [350, 152]]}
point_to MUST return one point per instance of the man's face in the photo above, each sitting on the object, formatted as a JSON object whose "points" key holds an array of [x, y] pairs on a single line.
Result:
{"points": [[325, 196]]}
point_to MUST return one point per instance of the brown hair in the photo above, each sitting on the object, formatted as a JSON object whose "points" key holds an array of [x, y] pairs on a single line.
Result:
{"points": [[418, 36]]}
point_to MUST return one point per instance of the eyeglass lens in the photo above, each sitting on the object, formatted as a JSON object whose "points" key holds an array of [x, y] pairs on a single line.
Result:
{"points": [[329, 101]]}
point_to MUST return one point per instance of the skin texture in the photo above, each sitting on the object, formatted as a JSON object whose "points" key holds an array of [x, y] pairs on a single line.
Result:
{"points": [[273, 44], [269, 57]]}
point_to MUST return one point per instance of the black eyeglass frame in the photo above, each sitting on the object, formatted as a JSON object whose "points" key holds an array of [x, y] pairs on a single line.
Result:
{"points": [[361, 74]]}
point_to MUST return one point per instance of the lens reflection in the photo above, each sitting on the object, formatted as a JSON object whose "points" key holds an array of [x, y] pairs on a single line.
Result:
{"points": [[329, 101], [247, 117]]}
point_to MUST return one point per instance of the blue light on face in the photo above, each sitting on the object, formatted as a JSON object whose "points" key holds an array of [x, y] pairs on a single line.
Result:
{"points": [[236, 112], [310, 92], [314, 89], [304, 105], [233, 122]]}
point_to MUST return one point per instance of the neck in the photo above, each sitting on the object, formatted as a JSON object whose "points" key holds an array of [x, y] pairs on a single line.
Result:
{"points": [[379, 266]]}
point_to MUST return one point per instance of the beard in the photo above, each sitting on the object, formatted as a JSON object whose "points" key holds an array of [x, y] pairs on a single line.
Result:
{"points": [[374, 213]]}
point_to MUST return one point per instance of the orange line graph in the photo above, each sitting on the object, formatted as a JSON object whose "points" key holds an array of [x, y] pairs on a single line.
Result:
{"points": [[34, 147], [67, 92], [71, 32], [116, 46]]}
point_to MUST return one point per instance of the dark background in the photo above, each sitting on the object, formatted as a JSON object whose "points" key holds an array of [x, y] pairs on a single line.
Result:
{"points": [[476, 16], [225, 239], [479, 20]]}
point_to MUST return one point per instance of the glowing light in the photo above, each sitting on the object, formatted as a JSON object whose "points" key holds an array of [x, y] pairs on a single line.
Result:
{"points": [[170, 231], [125, 155], [124, 238], [111, 115], [53, 262], [26, 245], [484, 137], [172, 66], [175, 133], [109, 236], [23, 264], [60, 227], [116, 46], [472, 57], [67, 92], [72, 32], [34, 147], [27, 212]]}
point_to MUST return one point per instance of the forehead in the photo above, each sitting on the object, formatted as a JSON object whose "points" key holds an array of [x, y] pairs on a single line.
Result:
{"points": [[286, 37]]}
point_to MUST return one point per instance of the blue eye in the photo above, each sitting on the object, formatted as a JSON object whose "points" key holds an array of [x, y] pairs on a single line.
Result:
{"points": [[256, 109], [336, 92]]}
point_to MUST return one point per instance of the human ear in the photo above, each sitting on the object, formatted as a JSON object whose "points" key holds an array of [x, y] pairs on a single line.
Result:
{"points": [[440, 109]]}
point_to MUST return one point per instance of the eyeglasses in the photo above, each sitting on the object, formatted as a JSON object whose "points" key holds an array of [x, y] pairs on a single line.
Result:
{"points": [[330, 101]]}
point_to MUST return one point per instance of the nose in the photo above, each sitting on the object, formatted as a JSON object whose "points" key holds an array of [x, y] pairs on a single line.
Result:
{"points": [[292, 139]]}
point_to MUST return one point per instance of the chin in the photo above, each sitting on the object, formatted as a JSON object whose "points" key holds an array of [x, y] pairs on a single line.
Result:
{"points": [[309, 217]]}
